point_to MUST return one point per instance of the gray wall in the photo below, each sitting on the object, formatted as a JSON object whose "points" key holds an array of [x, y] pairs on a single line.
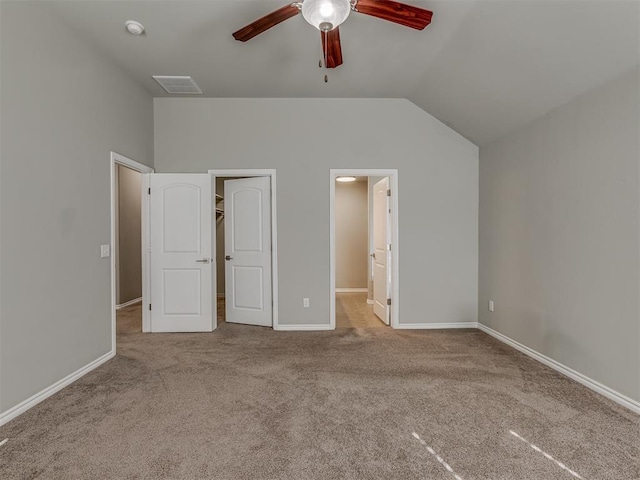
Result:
{"points": [[129, 233], [352, 234], [559, 239], [64, 108], [303, 139]]}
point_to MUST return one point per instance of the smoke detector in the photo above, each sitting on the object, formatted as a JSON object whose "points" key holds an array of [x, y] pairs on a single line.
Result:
{"points": [[178, 85], [134, 28]]}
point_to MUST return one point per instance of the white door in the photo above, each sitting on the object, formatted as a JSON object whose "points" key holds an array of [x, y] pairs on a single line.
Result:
{"points": [[180, 242], [382, 252], [247, 247]]}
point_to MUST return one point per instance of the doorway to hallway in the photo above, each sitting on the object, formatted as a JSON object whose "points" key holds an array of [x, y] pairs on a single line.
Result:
{"points": [[363, 263], [129, 261]]}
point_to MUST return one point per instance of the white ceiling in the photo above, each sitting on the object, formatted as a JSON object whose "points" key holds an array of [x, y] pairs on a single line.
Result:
{"points": [[484, 67]]}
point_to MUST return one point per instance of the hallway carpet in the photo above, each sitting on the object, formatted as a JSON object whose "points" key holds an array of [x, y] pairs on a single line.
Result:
{"points": [[352, 311], [354, 403]]}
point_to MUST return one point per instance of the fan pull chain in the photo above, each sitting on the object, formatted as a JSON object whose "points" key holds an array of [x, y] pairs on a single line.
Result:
{"points": [[326, 42]]}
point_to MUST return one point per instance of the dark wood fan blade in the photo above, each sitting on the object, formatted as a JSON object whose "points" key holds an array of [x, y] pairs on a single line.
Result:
{"points": [[396, 12], [265, 23], [331, 45]]}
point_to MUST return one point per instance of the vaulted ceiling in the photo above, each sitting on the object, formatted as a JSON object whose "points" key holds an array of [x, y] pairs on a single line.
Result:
{"points": [[484, 67]]}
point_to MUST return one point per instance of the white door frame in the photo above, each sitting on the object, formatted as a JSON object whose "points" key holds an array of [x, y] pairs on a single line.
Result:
{"points": [[395, 265], [117, 159], [250, 172]]}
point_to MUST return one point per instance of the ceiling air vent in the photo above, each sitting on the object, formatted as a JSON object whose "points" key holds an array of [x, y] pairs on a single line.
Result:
{"points": [[178, 85]]}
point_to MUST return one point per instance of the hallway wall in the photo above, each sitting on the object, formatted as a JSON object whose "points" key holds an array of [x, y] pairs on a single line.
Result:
{"points": [[129, 251], [352, 242]]}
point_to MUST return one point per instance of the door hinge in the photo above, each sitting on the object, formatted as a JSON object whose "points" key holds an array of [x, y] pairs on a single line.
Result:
{"points": [[388, 301], [149, 191], [388, 192], [149, 306]]}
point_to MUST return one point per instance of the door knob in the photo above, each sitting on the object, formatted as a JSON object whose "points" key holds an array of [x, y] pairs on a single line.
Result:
{"points": [[228, 258], [204, 260]]}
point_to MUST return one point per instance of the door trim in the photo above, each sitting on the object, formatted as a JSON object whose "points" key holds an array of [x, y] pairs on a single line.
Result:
{"points": [[114, 160], [395, 265], [251, 172]]}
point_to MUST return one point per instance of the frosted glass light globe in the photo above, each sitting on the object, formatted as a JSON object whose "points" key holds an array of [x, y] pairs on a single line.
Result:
{"points": [[325, 15]]}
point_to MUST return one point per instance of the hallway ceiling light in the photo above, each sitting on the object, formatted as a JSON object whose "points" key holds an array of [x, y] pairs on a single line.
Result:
{"points": [[345, 179]]}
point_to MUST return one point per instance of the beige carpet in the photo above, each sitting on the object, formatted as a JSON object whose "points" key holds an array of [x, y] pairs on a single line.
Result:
{"points": [[354, 403], [352, 311]]}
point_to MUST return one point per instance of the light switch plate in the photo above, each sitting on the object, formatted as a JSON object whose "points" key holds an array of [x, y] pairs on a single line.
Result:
{"points": [[305, 303], [491, 305], [104, 251]]}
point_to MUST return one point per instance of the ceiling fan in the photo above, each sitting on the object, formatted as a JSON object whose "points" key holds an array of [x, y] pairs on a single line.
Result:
{"points": [[327, 15]]}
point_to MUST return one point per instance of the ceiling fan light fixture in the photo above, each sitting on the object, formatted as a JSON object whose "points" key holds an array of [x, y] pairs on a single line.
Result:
{"points": [[325, 15]]}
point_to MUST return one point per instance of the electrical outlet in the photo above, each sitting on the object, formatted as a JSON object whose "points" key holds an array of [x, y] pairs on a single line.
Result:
{"points": [[491, 305], [305, 302], [104, 251]]}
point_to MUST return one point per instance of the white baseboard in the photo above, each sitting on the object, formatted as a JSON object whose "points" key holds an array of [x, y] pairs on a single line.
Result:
{"points": [[352, 290], [304, 328], [25, 405], [370, 301], [130, 302], [611, 394], [435, 326]]}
